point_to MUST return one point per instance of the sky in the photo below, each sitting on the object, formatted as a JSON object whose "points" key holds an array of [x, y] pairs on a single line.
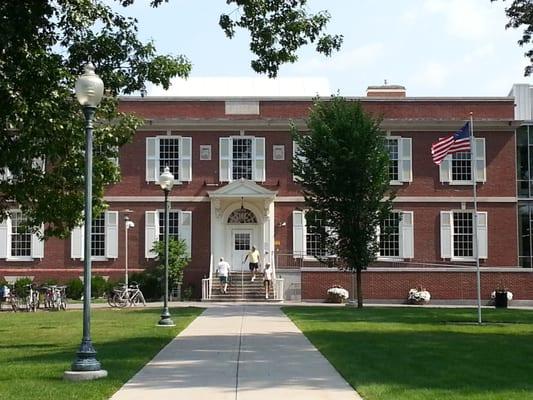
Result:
{"points": [[432, 47]]}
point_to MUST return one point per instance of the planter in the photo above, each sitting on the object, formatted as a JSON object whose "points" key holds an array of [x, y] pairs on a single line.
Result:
{"points": [[501, 300], [335, 298]]}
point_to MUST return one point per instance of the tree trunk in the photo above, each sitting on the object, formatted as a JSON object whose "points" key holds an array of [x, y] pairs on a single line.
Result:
{"points": [[359, 289]]}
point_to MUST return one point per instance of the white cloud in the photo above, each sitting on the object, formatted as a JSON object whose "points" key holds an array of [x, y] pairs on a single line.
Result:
{"points": [[346, 60], [432, 75]]}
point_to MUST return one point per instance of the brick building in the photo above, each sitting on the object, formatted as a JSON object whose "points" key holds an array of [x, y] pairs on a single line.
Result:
{"points": [[232, 161]]}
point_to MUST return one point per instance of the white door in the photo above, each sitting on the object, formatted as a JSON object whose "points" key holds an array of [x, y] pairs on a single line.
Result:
{"points": [[240, 246]]}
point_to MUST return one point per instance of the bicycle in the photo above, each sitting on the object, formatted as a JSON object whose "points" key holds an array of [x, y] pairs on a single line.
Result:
{"points": [[122, 296], [32, 299], [55, 297]]}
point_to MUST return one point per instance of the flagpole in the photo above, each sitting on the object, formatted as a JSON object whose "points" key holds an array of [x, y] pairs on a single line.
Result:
{"points": [[475, 235]]}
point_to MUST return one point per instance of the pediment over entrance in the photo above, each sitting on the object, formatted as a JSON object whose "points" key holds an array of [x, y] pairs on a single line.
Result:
{"points": [[243, 188]]}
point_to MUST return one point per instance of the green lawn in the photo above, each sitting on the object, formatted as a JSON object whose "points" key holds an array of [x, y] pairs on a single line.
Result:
{"points": [[36, 348], [425, 353]]}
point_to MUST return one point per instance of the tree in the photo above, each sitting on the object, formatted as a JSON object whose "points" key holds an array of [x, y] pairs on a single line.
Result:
{"points": [[43, 47], [177, 259], [520, 12], [342, 166]]}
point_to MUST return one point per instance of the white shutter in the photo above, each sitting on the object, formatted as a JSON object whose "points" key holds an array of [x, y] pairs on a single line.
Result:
{"points": [[407, 235], [152, 159], [446, 221], [151, 232], [185, 169], [4, 238], [406, 160], [377, 237], [479, 157], [111, 234], [298, 233], [259, 159], [482, 238], [225, 149], [76, 242], [445, 169], [37, 245], [5, 174], [185, 229]]}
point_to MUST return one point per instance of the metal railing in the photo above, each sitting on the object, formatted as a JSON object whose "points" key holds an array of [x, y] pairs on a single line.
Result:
{"points": [[207, 283]]}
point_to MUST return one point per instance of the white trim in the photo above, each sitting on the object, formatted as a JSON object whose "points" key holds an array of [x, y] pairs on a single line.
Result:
{"points": [[22, 258]]}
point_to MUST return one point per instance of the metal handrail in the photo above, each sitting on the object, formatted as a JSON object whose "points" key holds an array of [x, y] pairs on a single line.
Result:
{"points": [[210, 274]]}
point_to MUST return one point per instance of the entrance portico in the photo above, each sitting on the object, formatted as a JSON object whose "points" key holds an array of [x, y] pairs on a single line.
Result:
{"points": [[242, 215]]}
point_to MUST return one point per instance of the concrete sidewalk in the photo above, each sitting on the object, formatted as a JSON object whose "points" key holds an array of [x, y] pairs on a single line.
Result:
{"points": [[238, 352]]}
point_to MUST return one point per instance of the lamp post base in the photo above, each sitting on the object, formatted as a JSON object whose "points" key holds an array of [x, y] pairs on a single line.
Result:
{"points": [[75, 376], [165, 319]]}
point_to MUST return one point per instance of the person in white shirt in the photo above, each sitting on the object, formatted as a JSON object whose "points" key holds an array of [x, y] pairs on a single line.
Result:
{"points": [[267, 279], [253, 257], [223, 269]]}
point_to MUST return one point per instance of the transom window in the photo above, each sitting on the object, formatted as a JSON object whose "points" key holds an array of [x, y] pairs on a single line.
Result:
{"points": [[463, 234], [392, 147], [20, 236], [173, 225], [389, 236], [242, 158], [98, 236], [169, 154], [461, 167], [315, 235], [242, 216]]}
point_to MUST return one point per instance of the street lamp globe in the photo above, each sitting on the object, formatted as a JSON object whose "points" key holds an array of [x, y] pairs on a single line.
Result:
{"points": [[89, 87], [166, 179]]}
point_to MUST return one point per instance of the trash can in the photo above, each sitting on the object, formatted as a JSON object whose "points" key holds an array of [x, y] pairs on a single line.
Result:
{"points": [[500, 301]]}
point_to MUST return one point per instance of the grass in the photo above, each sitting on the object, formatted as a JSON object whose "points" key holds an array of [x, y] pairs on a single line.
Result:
{"points": [[425, 353], [36, 348]]}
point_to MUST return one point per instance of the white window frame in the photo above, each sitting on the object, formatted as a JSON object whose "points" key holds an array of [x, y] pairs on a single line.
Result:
{"points": [[258, 157], [405, 159], [299, 236], [37, 245], [479, 162], [153, 160], [152, 230], [405, 237], [446, 233], [77, 239]]}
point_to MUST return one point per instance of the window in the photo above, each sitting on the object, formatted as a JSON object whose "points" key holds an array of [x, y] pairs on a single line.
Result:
{"points": [[525, 229], [456, 169], [308, 234], [389, 236], [242, 158], [104, 238], [400, 166], [392, 147], [242, 216], [171, 151], [180, 226], [98, 236], [457, 235], [396, 236], [173, 225], [17, 242], [524, 153]]}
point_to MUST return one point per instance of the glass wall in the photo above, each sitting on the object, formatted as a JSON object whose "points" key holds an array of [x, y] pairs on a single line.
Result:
{"points": [[524, 170]]}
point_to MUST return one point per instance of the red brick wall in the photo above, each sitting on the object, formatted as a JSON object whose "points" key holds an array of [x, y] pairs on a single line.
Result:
{"points": [[392, 285]]}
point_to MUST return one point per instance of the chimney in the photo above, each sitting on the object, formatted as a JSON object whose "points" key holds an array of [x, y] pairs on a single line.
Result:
{"points": [[386, 91]]}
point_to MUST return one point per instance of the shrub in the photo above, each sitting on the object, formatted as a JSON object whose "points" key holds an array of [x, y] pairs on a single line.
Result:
{"points": [[188, 293], [149, 283], [98, 286], [21, 286], [75, 289]]}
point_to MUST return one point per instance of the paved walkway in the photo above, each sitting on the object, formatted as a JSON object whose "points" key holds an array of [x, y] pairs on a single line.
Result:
{"points": [[238, 352]]}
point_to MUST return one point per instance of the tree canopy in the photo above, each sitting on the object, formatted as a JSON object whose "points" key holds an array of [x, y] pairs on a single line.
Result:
{"points": [[43, 47], [520, 13], [342, 165]]}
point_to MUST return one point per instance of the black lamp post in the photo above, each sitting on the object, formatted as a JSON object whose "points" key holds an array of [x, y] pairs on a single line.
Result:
{"points": [[89, 91], [166, 181]]}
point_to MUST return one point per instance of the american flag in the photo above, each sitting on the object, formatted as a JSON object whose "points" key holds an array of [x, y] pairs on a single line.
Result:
{"points": [[459, 141]]}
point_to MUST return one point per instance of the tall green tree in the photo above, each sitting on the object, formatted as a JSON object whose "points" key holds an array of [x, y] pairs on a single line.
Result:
{"points": [[520, 14], [342, 166], [177, 259], [43, 47]]}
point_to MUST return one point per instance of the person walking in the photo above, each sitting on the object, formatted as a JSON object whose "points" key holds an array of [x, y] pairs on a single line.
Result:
{"points": [[223, 270], [253, 257], [267, 279]]}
